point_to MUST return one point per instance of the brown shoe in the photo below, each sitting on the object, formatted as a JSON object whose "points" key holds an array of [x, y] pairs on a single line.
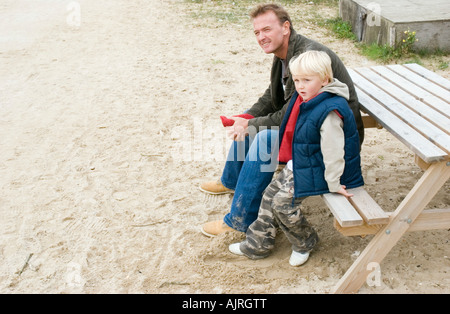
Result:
{"points": [[214, 228], [215, 188]]}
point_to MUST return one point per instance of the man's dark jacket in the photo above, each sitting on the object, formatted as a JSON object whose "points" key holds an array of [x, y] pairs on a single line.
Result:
{"points": [[270, 108]]}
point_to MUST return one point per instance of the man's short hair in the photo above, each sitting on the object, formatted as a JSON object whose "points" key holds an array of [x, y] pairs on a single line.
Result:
{"points": [[312, 62], [279, 11]]}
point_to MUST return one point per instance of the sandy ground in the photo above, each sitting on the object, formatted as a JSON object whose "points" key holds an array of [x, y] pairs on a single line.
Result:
{"points": [[108, 125]]}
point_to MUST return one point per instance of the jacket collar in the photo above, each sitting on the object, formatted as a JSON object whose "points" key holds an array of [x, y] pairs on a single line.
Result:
{"points": [[291, 47], [293, 38]]}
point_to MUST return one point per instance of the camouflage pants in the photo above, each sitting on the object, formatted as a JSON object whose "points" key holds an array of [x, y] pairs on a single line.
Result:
{"points": [[278, 210]]}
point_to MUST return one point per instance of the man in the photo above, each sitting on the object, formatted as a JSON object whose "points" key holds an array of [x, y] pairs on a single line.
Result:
{"points": [[248, 178]]}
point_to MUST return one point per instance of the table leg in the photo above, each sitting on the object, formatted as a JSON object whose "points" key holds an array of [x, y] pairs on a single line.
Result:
{"points": [[411, 207]]}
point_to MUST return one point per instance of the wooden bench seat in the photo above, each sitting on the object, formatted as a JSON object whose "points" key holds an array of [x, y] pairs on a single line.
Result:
{"points": [[359, 210]]}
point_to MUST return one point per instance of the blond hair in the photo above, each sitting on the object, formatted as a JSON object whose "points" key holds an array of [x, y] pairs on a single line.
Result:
{"points": [[312, 62]]}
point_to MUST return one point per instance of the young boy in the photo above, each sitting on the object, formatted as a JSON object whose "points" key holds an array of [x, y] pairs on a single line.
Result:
{"points": [[320, 144]]}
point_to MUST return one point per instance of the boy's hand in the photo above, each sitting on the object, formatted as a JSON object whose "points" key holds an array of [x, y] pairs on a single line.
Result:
{"points": [[344, 192]]}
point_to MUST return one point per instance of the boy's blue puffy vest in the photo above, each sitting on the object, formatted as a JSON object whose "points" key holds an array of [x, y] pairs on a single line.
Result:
{"points": [[308, 166]]}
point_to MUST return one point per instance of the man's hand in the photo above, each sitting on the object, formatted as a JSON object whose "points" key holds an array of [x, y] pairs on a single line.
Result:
{"points": [[239, 130]]}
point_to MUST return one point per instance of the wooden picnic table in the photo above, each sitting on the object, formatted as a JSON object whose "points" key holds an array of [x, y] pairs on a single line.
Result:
{"points": [[413, 104]]}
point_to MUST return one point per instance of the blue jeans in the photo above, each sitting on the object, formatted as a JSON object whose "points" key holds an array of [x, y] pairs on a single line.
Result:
{"points": [[248, 171]]}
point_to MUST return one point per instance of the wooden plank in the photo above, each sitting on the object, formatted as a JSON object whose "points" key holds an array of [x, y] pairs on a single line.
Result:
{"points": [[410, 95], [366, 206], [342, 210], [353, 231], [405, 133], [423, 126], [421, 94], [421, 163], [432, 219], [429, 219], [352, 212], [370, 122], [420, 81], [429, 75]]}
